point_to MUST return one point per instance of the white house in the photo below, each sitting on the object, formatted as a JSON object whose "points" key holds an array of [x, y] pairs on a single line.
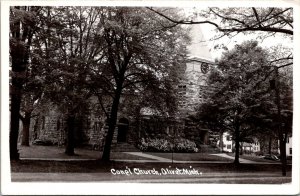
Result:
{"points": [[251, 147], [289, 146], [228, 144]]}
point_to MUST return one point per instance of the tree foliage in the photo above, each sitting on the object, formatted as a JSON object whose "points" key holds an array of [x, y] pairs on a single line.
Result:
{"points": [[240, 100], [110, 52], [22, 30], [141, 56]]}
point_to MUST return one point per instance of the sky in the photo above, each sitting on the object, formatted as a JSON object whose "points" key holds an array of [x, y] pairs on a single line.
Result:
{"points": [[209, 31]]}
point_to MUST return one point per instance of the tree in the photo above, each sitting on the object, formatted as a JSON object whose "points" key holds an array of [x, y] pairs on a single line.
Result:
{"points": [[61, 50], [22, 29], [229, 20], [140, 52], [283, 119], [234, 95], [73, 46], [31, 104]]}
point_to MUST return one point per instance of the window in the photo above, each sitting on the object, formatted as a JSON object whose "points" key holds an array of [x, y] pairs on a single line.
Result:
{"points": [[43, 122], [228, 146], [228, 138], [290, 150]]}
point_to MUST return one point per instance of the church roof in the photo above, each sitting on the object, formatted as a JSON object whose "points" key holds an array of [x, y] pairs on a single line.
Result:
{"points": [[192, 58], [198, 47]]}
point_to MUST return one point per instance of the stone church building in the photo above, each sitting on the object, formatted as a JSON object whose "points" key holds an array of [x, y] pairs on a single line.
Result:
{"points": [[198, 66], [90, 129]]}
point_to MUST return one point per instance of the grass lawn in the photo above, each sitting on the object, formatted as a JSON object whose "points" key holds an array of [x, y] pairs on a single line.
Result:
{"points": [[69, 168], [125, 156], [99, 166], [54, 152], [190, 156], [258, 159]]}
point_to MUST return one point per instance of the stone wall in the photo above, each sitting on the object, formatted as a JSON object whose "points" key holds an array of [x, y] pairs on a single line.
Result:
{"points": [[90, 129], [50, 127]]}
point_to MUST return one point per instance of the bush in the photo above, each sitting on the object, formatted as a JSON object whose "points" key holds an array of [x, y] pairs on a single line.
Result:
{"points": [[43, 142], [155, 145], [164, 145], [184, 145]]}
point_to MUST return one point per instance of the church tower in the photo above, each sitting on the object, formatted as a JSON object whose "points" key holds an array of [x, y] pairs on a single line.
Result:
{"points": [[198, 66]]}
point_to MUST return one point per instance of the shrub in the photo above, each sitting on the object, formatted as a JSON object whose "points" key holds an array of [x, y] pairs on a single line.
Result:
{"points": [[164, 145], [43, 142], [155, 145], [184, 145]]}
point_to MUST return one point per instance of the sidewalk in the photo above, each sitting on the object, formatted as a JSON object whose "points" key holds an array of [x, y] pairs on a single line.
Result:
{"points": [[232, 158], [55, 153]]}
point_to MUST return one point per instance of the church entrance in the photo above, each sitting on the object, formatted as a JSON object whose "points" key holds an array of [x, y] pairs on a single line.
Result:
{"points": [[123, 126], [204, 137]]}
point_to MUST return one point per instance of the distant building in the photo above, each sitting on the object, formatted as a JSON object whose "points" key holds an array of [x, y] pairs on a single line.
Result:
{"points": [[289, 146], [227, 142], [228, 145], [252, 147]]}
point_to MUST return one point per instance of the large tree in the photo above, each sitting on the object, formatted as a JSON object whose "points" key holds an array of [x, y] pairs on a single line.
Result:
{"points": [[62, 50], [32, 102], [270, 21], [141, 53], [22, 29], [234, 93], [73, 45]]}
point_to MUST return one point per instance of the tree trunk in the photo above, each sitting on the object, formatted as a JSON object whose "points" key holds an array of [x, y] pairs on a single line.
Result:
{"points": [[19, 52], [282, 148], [112, 124], [70, 135], [14, 126], [241, 148], [282, 136], [221, 142], [270, 145], [26, 126], [237, 145]]}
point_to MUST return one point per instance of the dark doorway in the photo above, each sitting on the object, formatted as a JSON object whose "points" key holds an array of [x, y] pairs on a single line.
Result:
{"points": [[122, 129], [204, 137]]}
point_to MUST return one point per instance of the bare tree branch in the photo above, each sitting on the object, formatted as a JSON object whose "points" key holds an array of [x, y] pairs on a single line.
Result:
{"points": [[244, 26]]}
